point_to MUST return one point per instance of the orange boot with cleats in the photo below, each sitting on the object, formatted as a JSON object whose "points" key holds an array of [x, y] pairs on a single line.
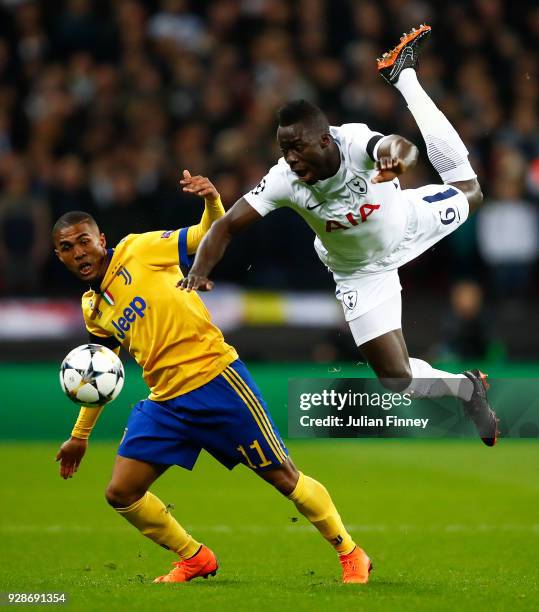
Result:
{"points": [[200, 565], [404, 55], [356, 567]]}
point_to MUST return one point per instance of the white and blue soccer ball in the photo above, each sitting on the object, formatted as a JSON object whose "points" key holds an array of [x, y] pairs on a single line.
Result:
{"points": [[92, 375]]}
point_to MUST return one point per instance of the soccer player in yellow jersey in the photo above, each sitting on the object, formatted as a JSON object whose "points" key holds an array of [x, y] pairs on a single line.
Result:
{"points": [[201, 394]]}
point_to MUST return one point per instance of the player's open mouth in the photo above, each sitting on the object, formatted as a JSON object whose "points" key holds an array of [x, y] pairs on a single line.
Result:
{"points": [[85, 269], [301, 173]]}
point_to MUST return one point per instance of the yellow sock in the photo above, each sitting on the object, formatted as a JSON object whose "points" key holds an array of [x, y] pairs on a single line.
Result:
{"points": [[313, 501], [150, 516]]}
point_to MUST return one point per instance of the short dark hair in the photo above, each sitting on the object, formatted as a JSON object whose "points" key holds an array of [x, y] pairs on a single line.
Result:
{"points": [[72, 218], [302, 111]]}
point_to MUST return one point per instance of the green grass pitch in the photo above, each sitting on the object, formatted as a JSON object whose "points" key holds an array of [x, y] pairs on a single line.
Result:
{"points": [[449, 525]]}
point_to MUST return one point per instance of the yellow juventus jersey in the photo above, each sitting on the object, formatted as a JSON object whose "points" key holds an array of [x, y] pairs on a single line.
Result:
{"points": [[168, 331]]}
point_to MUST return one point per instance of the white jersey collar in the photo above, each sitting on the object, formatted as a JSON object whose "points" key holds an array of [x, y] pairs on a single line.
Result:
{"points": [[339, 177]]}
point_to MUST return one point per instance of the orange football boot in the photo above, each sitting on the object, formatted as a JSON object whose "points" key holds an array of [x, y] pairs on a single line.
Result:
{"points": [[404, 55], [200, 565], [356, 567]]}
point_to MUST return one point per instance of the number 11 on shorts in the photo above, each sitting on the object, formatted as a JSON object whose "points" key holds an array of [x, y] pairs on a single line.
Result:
{"points": [[256, 447]]}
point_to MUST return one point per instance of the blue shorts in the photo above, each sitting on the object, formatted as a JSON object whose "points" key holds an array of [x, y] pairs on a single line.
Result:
{"points": [[227, 417]]}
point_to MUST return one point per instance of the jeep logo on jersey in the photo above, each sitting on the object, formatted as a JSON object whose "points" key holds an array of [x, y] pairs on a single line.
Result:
{"points": [[136, 308], [357, 185], [350, 299]]}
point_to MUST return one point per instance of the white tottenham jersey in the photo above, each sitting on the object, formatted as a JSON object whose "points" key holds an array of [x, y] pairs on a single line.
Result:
{"points": [[355, 221]]}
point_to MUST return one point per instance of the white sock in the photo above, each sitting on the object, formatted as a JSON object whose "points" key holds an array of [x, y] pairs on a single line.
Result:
{"points": [[445, 148], [429, 382]]}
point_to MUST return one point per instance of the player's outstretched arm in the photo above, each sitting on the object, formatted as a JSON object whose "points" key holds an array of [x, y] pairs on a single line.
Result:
{"points": [[213, 210], [395, 156], [214, 244]]}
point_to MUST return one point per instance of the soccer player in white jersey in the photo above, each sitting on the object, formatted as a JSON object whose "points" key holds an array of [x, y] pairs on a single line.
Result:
{"points": [[344, 182]]}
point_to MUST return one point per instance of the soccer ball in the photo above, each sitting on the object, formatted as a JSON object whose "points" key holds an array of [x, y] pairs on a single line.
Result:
{"points": [[92, 375]]}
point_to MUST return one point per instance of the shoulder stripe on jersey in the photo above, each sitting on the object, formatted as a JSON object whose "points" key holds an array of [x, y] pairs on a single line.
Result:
{"points": [[441, 195], [371, 144], [184, 258]]}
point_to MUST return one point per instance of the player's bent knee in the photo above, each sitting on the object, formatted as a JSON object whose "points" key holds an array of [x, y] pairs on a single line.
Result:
{"points": [[475, 200], [474, 195], [283, 478], [120, 498], [472, 191]]}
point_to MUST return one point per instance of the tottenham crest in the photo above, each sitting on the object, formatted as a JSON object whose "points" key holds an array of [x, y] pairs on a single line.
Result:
{"points": [[358, 185], [350, 299]]}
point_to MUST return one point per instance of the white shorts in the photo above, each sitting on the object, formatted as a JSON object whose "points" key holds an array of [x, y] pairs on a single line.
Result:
{"points": [[384, 318], [364, 291]]}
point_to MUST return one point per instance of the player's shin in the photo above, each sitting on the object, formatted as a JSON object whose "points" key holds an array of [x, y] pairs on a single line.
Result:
{"points": [[153, 519], [314, 502], [429, 382], [446, 151]]}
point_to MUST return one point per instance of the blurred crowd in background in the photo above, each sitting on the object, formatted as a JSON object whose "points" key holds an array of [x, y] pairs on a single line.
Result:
{"points": [[103, 104]]}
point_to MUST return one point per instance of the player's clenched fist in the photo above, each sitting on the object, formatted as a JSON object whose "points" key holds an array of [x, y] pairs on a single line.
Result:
{"points": [[195, 282], [199, 185], [388, 169]]}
